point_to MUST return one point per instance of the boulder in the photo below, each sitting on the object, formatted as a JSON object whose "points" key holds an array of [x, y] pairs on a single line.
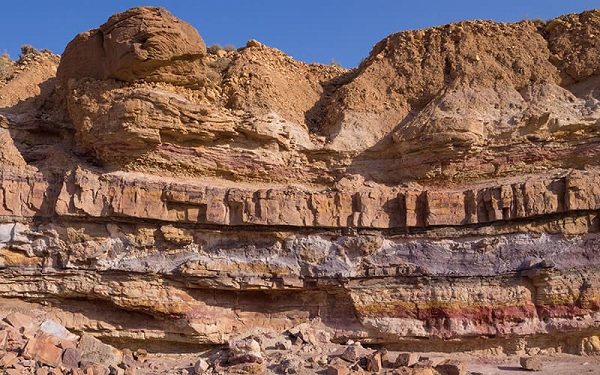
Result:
{"points": [[531, 363], [71, 357], [143, 43], [244, 351], [43, 348], [94, 350], [451, 367]]}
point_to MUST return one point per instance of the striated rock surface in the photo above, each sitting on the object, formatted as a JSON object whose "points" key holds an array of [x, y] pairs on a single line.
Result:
{"points": [[443, 194]]}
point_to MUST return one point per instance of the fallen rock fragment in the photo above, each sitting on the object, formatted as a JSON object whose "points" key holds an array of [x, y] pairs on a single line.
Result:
{"points": [[303, 332], [20, 321], [253, 43], [290, 365], [451, 367], [200, 367], [283, 345], [531, 363], [52, 328], [338, 369], [350, 354], [43, 348], [71, 357], [7, 359], [374, 362], [95, 351], [93, 368], [406, 359], [244, 351]]}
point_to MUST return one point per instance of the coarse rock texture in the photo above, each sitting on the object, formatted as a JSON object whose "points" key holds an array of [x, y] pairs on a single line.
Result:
{"points": [[139, 44], [444, 194]]}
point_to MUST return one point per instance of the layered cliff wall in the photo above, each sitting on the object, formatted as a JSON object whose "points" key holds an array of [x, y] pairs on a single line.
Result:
{"points": [[443, 194]]}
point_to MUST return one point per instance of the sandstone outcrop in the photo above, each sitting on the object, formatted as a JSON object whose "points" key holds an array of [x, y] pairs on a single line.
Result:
{"points": [[445, 194], [140, 44]]}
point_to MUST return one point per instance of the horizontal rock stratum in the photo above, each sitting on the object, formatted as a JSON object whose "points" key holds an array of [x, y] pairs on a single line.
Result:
{"points": [[443, 194]]}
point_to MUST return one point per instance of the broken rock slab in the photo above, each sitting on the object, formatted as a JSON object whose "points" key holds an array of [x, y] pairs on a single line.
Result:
{"points": [[20, 321], [52, 328], [94, 350], [43, 348]]}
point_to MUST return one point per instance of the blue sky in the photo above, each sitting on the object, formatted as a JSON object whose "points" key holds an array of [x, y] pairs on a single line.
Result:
{"points": [[308, 30]]}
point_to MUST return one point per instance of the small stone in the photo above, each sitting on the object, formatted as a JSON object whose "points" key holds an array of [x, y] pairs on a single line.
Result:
{"points": [[350, 342], [115, 370], [67, 344], [406, 359], [451, 367], [3, 337], [141, 355], [7, 359], [283, 345], [28, 362], [304, 332], [422, 371], [290, 366], [244, 351], [20, 321], [71, 357], [253, 43], [531, 363], [424, 363], [374, 362], [128, 360], [321, 360], [350, 354], [92, 368], [200, 367], [383, 352], [337, 370]]}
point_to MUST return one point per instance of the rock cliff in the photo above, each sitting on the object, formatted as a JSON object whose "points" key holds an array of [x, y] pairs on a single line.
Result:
{"points": [[443, 194]]}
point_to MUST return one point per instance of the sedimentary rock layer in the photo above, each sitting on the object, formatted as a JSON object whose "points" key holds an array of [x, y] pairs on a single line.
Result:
{"points": [[445, 193]]}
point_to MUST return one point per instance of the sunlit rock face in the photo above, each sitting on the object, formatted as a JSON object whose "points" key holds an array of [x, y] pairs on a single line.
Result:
{"points": [[443, 194]]}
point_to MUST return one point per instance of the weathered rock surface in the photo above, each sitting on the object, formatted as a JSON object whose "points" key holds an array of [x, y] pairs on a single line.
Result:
{"points": [[448, 204], [140, 44]]}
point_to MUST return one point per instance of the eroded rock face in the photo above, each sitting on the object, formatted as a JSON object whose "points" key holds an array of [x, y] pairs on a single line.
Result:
{"points": [[456, 198], [142, 43]]}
